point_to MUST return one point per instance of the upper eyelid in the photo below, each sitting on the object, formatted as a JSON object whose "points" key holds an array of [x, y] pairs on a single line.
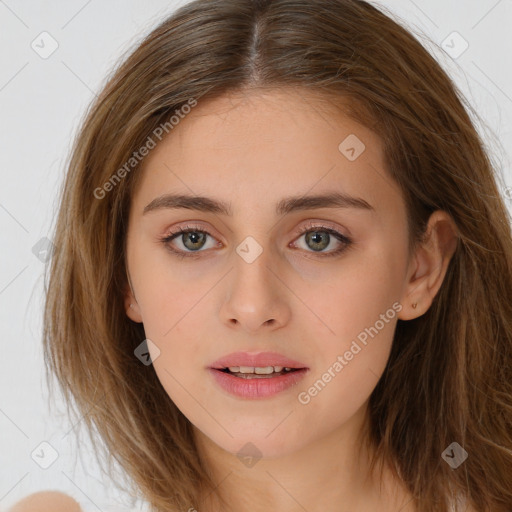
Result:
{"points": [[300, 231], [309, 226]]}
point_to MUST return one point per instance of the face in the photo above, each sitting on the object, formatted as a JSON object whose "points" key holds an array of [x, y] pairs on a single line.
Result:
{"points": [[317, 282]]}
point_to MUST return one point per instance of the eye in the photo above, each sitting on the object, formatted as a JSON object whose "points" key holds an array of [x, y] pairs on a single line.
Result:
{"points": [[319, 237], [192, 239]]}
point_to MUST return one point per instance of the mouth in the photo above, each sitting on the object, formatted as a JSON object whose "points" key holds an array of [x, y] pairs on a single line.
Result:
{"points": [[252, 375]]}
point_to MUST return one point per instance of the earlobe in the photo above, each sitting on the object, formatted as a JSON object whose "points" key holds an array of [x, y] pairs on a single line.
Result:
{"points": [[429, 265], [130, 305]]}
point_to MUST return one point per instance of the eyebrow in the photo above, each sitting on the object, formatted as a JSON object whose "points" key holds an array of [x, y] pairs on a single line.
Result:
{"points": [[285, 206]]}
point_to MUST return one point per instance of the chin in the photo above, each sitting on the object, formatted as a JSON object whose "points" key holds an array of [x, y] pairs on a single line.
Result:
{"points": [[250, 446]]}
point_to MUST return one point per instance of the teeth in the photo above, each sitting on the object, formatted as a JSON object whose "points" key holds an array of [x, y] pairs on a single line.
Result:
{"points": [[258, 370], [264, 371]]}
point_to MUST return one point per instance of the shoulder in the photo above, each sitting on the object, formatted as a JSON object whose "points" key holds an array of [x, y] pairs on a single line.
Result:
{"points": [[46, 501]]}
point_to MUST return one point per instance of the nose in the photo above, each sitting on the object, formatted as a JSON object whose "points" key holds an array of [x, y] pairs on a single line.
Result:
{"points": [[256, 297]]}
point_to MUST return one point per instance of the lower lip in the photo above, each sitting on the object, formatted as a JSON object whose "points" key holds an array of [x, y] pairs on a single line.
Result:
{"points": [[257, 388]]}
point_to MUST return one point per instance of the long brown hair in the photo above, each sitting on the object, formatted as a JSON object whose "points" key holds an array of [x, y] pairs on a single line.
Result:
{"points": [[449, 375]]}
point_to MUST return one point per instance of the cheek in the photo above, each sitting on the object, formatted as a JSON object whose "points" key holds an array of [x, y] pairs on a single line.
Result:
{"points": [[356, 294], [356, 315], [171, 322], [169, 308], [165, 293], [173, 326], [350, 365]]}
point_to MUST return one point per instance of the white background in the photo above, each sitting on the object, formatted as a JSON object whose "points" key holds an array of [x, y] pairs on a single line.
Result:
{"points": [[42, 102]]}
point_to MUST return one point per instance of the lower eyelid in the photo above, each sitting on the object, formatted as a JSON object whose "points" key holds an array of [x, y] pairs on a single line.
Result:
{"points": [[344, 240]]}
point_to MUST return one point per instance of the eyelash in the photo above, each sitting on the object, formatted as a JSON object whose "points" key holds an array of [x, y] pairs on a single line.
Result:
{"points": [[346, 241]]}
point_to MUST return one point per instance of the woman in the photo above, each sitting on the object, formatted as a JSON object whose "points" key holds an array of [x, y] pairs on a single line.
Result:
{"points": [[300, 178]]}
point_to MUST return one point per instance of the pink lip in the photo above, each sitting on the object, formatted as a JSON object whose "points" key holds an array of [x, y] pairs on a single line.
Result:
{"points": [[256, 388], [260, 359]]}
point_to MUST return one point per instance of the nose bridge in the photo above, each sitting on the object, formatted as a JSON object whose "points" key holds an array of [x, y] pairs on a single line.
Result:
{"points": [[254, 297], [251, 276]]}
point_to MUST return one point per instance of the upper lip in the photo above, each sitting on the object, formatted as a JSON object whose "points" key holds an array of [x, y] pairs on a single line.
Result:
{"points": [[256, 359]]}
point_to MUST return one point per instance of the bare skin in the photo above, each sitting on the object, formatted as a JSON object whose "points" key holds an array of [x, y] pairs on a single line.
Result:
{"points": [[253, 151], [46, 501]]}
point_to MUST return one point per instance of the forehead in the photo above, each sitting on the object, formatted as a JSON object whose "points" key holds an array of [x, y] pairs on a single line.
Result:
{"points": [[280, 116], [266, 143]]}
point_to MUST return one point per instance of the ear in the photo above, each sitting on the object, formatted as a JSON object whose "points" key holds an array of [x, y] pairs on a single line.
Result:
{"points": [[428, 266], [130, 305]]}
